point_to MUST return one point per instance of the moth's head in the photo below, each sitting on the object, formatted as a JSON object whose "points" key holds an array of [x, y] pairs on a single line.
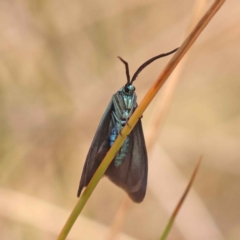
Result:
{"points": [[128, 89]]}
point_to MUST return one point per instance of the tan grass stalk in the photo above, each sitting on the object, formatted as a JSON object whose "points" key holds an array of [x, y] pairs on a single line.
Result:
{"points": [[137, 115], [158, 117]]}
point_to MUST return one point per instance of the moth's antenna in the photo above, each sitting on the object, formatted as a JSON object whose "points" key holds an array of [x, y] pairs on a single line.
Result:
{"points": [[127, 69], [149, 61]]}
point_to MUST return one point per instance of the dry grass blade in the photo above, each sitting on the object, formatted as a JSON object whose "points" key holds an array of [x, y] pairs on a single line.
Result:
{"points": [[159, 114], [167, 182], [137, 115], [171, 220]]}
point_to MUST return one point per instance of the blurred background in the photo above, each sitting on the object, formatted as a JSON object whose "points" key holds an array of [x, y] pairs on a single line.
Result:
{"points": [[58, 71]]}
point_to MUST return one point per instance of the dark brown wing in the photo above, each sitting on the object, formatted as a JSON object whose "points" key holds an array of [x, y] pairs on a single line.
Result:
{"points": [[139, 163], [98, 149], [131, 175]]}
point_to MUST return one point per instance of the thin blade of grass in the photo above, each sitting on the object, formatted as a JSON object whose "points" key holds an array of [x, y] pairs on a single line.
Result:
{"points": [[159, 115], [180, 203], [137, 115]]}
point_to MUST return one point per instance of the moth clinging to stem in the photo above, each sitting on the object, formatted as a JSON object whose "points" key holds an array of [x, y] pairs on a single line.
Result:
{"points": [[129, 168]]}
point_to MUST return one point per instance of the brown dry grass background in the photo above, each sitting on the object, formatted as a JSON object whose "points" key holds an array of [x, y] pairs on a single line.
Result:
{"points": [[58, 70]]}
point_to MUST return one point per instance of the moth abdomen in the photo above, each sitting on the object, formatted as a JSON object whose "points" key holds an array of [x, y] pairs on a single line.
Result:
{"points": [[123, 150]]}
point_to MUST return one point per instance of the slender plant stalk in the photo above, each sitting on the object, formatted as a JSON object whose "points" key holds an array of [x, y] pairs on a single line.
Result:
{"points": [[174, 215], [137, 115], [159, 114]]}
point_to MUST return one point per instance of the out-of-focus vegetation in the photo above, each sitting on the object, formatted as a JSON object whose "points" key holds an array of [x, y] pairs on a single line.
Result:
{"points": [[58, 71]]}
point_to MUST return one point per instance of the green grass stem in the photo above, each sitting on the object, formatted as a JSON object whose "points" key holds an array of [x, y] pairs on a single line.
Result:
{"points": [[137, 115], [180, 203]]}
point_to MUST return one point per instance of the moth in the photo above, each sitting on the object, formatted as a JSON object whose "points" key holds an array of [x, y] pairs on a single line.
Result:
{"points": [[129, 168]]}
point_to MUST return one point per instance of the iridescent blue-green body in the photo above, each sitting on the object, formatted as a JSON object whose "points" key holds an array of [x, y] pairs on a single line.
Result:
{"points": [[123, 150], [124, 104], [129, 167]]}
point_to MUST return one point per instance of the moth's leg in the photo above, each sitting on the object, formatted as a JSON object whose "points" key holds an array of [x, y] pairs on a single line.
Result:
{"points": [[122, 126], [128, 124], [117, 123]]}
